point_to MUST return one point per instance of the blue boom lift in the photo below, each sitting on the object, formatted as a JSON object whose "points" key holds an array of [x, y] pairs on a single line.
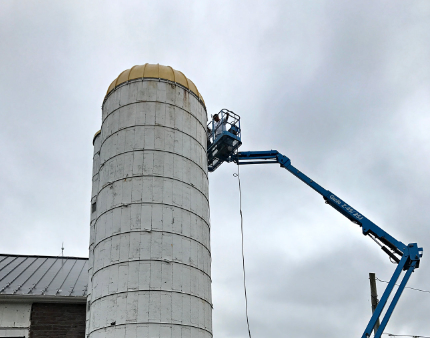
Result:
{"points": [[224, 139]]}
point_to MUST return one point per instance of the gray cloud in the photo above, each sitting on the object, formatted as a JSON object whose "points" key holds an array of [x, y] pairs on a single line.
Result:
{"points": [[340, 88]]}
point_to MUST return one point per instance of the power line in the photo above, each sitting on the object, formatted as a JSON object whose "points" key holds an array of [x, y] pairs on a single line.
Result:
{"points": [[243, 255], [406, 287], [405, 335]]}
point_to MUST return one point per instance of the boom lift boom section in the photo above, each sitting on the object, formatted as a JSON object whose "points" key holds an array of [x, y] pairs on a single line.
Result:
{"points": [[407, 257]]}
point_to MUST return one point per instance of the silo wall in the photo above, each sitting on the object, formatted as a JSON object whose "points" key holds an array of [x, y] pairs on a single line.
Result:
{"points": [[150, 260], [94, 194]]}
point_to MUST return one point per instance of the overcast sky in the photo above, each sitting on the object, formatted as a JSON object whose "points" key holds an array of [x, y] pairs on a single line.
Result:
{"points": [[340, 87]]}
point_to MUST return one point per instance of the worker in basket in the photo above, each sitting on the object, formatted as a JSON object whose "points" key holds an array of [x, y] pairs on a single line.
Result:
{"points": [[220, 124]]}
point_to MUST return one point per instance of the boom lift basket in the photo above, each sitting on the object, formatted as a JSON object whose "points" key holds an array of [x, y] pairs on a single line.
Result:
{"points": [[223, 138]]}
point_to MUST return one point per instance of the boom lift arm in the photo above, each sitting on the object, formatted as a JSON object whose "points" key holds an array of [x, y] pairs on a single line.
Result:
{"points": [[407, 257], [223, 141]]}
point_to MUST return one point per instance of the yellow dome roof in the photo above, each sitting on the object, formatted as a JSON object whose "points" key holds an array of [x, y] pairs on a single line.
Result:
{"points": [[155, 71]]}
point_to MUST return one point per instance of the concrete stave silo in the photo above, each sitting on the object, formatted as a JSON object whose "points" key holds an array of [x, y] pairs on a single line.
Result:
{"points": [[150, 232]]}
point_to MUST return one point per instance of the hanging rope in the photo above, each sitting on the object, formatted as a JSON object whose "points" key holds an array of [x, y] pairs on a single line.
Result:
{"points": [[243, 255]]}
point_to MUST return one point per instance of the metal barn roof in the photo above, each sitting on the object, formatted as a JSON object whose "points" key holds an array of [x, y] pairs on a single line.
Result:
{"points": [[47, 276]]}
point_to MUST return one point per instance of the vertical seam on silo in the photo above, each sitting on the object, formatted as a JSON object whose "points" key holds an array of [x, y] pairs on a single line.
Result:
{"points": [[171, 277], [150, 268]]}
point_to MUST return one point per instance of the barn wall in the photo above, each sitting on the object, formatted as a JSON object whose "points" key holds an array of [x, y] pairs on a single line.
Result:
{"points": [[57, 320], [14, 319]]}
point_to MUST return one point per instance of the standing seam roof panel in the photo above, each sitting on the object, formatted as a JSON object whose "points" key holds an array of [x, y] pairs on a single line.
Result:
{"points": [[82, 277], [57, 280], [10, 268], [64, 284], [30, 275], [152, 71], [38, 275], [123, 77], [7, 262], [17, 281], [49, 264], [166, 73], [136, 72]]}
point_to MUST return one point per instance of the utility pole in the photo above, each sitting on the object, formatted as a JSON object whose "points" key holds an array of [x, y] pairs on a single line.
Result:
{"points": [[373, 297]]}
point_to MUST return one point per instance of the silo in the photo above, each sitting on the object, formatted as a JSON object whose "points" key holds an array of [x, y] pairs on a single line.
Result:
{"points": [[150, 249]]}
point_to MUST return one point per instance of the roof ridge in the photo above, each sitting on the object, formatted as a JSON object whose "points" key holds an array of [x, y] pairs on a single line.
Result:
{"points": [[43, 256]]}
